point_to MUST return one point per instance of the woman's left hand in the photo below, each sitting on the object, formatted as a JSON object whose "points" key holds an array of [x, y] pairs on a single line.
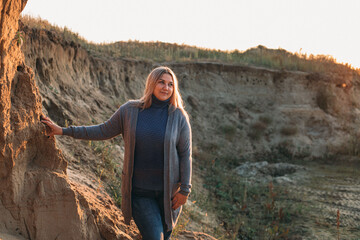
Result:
{"points": [[178, 200]]}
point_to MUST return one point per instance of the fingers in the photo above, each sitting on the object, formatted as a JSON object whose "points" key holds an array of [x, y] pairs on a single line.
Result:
{"points": [[175, 202], [45, 120], [49, 130], [176, 206], [178, 200]]}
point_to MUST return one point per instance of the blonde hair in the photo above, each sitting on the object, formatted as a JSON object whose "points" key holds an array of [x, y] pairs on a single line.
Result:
{"points": [[151, 80]]}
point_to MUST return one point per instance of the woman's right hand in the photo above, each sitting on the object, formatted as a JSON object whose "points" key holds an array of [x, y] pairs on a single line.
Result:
{"points": [[55, 129]]}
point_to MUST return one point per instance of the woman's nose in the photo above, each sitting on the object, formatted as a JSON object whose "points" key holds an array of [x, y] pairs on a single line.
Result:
{"points": [[166, 86]]}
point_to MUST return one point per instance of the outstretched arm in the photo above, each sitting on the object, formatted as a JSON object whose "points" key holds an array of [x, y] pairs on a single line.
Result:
{"points": [[106, 130]]}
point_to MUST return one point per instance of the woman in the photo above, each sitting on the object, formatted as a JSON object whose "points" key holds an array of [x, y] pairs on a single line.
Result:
{"points": [[156, 177]]}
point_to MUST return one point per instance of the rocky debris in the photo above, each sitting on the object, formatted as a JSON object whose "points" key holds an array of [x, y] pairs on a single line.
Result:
{"points": [[265, 172]]}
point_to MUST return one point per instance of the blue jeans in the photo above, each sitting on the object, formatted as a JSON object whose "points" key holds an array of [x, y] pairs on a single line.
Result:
{"points": [[148, 214]]}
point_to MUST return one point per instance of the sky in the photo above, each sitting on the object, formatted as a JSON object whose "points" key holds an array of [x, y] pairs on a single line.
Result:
{"points": [[326, 27]]}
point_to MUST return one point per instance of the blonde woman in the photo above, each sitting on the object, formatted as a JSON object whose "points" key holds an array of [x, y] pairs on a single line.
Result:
{"points": [[156, 177]]}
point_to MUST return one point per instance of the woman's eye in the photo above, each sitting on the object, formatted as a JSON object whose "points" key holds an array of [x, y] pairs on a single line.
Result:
{"points": [[162, 82]]}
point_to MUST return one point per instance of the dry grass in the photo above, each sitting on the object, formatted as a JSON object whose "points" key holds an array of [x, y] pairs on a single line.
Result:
{"points": [[165, 52], [259, 127]]}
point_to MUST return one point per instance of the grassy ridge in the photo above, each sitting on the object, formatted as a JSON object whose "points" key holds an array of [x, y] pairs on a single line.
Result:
{"points": [[165, 52]]}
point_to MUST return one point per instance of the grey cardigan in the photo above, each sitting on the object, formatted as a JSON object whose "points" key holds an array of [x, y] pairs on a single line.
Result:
{"points": [[177, 153]]}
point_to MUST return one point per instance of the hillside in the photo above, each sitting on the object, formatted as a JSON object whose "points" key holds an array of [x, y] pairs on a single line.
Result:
{"points": [[239, 113], [222, 99]]}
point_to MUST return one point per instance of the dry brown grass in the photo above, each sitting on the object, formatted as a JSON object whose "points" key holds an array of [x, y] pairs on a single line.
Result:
{"points": [[165, 52]]}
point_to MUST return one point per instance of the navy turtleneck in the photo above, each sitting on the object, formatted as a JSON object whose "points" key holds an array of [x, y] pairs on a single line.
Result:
{"points": [[149, 146]]}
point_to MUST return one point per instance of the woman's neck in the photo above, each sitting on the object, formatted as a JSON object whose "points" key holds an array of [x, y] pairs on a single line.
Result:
{"points": [[158, 103]]}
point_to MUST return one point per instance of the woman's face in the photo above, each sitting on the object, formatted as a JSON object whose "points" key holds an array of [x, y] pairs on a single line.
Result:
{"points": [[164, 87]]}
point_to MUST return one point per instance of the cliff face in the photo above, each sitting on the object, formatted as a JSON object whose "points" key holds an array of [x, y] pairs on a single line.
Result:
{"points": [[37, 200], [307, 113], [235, 111], [247, 110]]}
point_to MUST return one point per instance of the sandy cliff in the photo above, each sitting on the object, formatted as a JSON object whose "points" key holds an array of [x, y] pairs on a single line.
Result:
{"points": [[37, 200], [307, 113], [40, 197]]}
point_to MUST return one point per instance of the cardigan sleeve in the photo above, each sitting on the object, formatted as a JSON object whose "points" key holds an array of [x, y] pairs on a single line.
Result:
{"points": [[109, 129], [185, 159]]}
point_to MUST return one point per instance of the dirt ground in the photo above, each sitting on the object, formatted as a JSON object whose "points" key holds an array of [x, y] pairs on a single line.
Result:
{"points": [[4, 236], [327, 190]]}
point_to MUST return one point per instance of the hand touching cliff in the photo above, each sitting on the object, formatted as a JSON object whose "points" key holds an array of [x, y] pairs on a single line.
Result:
{"points": [[54, 129]]}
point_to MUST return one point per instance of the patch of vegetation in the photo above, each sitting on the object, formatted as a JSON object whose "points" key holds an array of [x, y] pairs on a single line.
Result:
{"points": [[182, 222], [108, 170], [354, 145], [19, 37], [279, 153], [258, 128], [349, 147], [288, 130], [165, 52], [247, 211], [282, 153], [54, 90], [265, 119], [229, 131]]}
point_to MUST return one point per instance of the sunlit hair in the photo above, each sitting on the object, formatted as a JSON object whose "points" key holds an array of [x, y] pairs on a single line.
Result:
{"points": [[151, 81]]}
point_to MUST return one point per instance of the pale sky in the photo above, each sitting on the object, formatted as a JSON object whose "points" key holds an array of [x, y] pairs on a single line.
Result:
{"points": [[329, 27]]}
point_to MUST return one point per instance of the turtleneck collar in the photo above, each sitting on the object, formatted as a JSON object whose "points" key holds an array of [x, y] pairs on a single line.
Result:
{"points": [[158, 103]]}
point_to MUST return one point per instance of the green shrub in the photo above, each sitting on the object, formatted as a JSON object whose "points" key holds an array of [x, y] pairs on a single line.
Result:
{"points": [[289, 130], [229, 131], [257, 129], [279, 153]]}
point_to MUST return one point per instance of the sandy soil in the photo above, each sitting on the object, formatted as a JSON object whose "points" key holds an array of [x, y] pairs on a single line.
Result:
{"points": [[4, 236]]}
